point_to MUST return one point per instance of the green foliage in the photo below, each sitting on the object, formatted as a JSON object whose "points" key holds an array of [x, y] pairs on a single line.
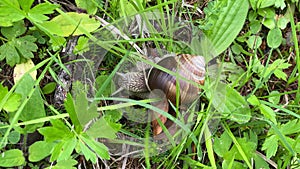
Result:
{"points": [[275, 68], [261, 66], [90, 6], [9, 102], [100, 80], [67, 164], [35, 106], [71, 23], [128, 8], [82, 45], [61, 140], [230, 103], [272, 142], [264, 109], [39, 150], [12, 138], [274, 38], [12, 158], [16, 49], [232, 153], [17, 10], [49, 88], [229, 21]]}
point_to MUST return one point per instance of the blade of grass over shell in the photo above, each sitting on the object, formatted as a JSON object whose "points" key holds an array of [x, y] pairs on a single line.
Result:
{"points": [[123, 105], [168, 71], [110, 77]]}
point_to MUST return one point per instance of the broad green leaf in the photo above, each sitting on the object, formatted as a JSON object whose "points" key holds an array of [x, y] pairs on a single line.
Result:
{"points": [[14, 137], [269, 23], [52, 133], [12, 158], [67, 148], [57, 42], [260, 162], [114, 115], [247, 146], [70, 108], [233, 164], [280, 65], [26, 46], [85, 112], [274, 97], [56, 151], [101, 129], [100, 149], [63, 25], [291, 127], [65, 164], [82, 45], [277, 68], [222, 144], [49, 88], [270, 145], [39, 150], [229, 103], [22, 68], [58, 131], [100, 81], [228, 25], [253, 3], [282, 22], [253, 100], [37, 13], [26, 4], [268, 13], [88, 154], [280, 4], [265, 3], [274, 38], [18, 49], [127, 8], [268, 113], [294, 142], [13, 101], [255, 26], [10, 12], [17, 29], [254, 42], [34, 108], [89, 6]]}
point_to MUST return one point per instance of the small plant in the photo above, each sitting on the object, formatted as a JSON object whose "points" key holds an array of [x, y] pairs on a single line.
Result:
{"points": [[245, 115]]}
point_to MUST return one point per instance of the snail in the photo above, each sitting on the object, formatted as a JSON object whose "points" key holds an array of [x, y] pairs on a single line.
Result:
{"points": [[189, 68]]}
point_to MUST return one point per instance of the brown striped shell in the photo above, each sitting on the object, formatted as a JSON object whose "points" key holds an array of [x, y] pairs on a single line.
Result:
{"points": [[189, 67]]}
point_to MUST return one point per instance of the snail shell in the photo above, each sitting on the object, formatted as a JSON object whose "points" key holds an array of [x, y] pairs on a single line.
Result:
{"points": [[190, 67]]}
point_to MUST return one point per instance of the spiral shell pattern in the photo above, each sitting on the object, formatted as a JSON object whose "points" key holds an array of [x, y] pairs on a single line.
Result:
{"points": [[188, 67]]}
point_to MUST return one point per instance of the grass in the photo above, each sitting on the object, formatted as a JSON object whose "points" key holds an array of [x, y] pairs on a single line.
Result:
{"points": [[246, 115]]}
